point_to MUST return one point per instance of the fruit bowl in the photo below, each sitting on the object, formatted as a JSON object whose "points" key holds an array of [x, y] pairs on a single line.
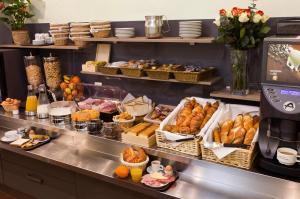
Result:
{"points": [[71, 87]]}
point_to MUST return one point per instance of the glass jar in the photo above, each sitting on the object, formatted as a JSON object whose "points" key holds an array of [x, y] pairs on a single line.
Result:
{"points": [[43, 103], [52, 72], [109, 130], [31, 102], [33, 71]]}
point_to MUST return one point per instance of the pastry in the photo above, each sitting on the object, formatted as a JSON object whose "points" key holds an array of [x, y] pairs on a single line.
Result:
{"points": [[216, 135], [249, 136], [247, 121], [238, 121], [134, 155], [196, 122], [236, 135], [225, 128]]}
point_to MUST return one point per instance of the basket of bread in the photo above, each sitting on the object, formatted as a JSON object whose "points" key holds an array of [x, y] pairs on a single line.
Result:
{"points": [[10, 105], [232, 138], [124, 120], [134, 157], [185, 127]]}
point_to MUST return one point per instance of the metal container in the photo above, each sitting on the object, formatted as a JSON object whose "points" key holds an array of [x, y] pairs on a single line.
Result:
{"points": [[153, 26]]}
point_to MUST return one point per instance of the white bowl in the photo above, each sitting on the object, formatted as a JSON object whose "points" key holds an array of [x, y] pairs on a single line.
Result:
{"points": [[190, 35], [141, 165], [124, 36], [190, 22], [182, 32], [38, 42], [190, 28]]}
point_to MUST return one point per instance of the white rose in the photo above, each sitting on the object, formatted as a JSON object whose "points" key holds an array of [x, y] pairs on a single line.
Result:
{"points": [[265, 18], [243, 18], [229, 14], [257, 18], [217, 22]]}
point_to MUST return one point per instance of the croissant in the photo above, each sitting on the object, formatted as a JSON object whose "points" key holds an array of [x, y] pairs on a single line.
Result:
{"points": [[247, 121], [216, 135], [211, 110], [249, 136], [187, 121], [185, 129], [206, 107], [216, 104], [196, 122], [180, 119], [239, 135], [198, 109], [225, 128]]}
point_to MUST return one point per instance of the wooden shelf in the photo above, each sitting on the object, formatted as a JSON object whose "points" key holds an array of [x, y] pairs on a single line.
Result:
{"points": [[69, 47], [252, 96], [200, 40], [208, 82]]}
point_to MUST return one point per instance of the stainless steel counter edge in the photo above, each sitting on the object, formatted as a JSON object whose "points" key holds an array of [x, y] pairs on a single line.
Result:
{"points": [[97, 157]]}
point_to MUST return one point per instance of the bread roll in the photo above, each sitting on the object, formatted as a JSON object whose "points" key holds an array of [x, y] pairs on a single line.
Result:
{"points": [[225, 128], [238, 122], [247, 121], [216, 135], [249, 136]]}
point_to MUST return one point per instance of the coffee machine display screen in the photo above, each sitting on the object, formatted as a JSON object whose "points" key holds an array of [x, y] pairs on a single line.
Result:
{"points": [[290, 92], [283, 63]]}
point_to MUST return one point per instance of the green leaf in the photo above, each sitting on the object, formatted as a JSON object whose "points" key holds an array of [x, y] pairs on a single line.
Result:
{"points": [[242, 32], [252, 40], [265, 29], [245, 41]]}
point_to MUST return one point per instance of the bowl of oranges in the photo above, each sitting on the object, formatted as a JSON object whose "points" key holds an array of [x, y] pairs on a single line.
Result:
{"points": [[72, 88]]}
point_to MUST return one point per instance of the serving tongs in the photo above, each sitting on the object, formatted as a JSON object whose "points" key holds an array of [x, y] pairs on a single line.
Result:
{"points": [[215, 145]]}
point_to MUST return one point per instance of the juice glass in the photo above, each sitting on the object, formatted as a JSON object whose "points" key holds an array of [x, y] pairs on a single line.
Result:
{"points": [[136, 174]]}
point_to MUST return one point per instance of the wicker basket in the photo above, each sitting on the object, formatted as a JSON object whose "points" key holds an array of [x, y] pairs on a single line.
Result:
{"points": [[132, 72], [193, 76], [187, 147], [158, 74], [241, 158], [61, 42], [104, 33], [80, 43], [21, 37], [109, 70]]}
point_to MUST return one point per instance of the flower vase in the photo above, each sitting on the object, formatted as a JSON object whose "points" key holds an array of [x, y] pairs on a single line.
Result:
{"points": [[239, 85]]}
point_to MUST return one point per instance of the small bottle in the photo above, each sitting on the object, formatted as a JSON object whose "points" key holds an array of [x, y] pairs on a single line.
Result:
{"points": [[31, 102], [43, 103]]}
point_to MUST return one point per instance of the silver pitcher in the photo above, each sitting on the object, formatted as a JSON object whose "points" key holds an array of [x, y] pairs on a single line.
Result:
{"points": [[153, 26]]}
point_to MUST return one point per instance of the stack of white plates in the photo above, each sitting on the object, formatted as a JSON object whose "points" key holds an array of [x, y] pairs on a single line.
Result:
{"points": [[124, 32], [190, 29]]}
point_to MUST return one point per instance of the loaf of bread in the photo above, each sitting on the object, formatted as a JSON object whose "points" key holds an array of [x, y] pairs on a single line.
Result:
{"points": [[148, 132], [247, 121], [249, 136], [138, 128]]}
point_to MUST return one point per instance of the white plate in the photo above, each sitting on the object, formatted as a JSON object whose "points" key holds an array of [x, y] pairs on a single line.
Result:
{"points": [[191, 26], [190, 22], [124, 32], [130, 29], [189, 36], [124, 36], [9, 140], [183, 32], [191, 29]]}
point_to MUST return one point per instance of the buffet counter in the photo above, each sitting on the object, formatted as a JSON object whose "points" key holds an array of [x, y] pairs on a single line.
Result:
{"points": [[97, 157]]}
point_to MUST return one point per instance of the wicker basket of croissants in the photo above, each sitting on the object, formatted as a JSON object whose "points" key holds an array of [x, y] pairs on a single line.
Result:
{"points": [[241, 128], [191, 118], [134, 157]]}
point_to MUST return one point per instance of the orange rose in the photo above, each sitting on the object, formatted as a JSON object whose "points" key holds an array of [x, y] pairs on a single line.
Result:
{"points": [[223, 12], [235, 11], [260, 12], [1, 5]]}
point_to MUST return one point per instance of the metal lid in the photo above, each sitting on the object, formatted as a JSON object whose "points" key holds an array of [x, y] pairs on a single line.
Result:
{"points": [[29, 87], [29, 57], [50, 58]]}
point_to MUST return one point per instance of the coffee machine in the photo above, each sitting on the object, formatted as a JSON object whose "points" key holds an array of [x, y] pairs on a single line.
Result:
{"points": [[280, 103]]}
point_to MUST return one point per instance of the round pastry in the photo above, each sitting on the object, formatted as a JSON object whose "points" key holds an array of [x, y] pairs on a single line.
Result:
{"points": [[134, 155]]}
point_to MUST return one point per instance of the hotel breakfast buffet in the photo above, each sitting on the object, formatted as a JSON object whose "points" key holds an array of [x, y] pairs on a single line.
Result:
{"points": [[146, 99]]}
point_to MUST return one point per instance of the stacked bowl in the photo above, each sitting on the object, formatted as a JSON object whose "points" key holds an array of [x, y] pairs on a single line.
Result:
{"points": [[190, 29], [100, 29], [124, 32], [60, 33], [79, 31]]}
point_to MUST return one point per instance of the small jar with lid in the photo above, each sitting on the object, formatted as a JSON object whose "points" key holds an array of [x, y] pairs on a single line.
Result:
{"points": [[33, 71], [52, 72]]}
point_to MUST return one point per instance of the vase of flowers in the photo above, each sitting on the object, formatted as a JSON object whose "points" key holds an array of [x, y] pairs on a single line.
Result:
{"points": [[241, 29], [14, 14]]}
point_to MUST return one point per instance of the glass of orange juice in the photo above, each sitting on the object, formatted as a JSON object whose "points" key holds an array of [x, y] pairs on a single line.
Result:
{"points": [[136, 174]]}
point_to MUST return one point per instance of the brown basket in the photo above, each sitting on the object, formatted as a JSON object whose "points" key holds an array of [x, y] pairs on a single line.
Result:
{"points": [[80, 43], [21, 37], [61, 42], [132, 72], [102, 33], [194, 76], [158, 74], [188, 147], [109, 70], [241, 158]]}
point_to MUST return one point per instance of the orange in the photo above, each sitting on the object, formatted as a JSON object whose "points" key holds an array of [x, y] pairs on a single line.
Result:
{"points": [[63, 85], [75, 79], [122, 171]]}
